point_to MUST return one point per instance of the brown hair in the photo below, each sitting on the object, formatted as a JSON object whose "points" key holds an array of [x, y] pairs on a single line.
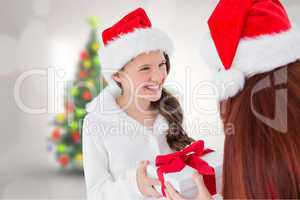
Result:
{"points": [[261, 161], [169, 107]]}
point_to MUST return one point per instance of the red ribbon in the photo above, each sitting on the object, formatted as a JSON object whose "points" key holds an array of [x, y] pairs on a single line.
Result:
{"points": [[190, 156]]}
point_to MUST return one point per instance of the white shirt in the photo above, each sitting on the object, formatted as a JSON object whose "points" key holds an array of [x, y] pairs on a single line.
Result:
{"points": [[113, 145]]}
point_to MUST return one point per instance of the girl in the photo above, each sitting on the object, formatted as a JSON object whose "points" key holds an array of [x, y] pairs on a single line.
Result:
{"points": [[134, 118], [261, 156]]}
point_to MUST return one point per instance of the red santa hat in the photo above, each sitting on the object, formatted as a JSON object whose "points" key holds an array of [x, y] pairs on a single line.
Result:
{"points": [[129, 37], [248, 37]]}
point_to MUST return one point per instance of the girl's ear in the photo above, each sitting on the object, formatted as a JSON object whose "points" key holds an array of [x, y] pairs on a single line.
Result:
{"points": [[116, 77]]}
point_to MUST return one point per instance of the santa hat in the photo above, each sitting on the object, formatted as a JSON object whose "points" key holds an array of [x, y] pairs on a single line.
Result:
{"points": [[129, 37], [248, 37]]}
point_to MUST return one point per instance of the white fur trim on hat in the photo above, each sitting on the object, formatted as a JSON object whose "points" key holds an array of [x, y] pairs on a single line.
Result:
{"points": [[121, 50], [229, 82], [254, 56]]}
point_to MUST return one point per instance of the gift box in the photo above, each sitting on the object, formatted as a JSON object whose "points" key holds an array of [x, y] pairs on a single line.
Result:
{"points": [[182, 180]]}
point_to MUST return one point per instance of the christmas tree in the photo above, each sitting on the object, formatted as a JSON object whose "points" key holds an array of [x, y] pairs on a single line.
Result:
{"points": [[65, 139]]}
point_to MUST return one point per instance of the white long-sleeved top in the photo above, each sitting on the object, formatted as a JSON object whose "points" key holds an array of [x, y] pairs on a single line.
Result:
{"points": [[113, 145]]}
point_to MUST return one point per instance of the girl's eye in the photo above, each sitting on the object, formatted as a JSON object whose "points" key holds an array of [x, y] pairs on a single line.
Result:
{"points": [[162, 64], [144, 68]]}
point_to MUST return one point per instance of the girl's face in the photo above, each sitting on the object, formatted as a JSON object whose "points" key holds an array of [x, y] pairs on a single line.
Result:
{"points": [[144, 76]]}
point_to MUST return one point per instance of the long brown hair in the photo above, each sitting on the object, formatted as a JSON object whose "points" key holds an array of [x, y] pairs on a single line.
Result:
{"points": [[263, 161], [169, 107]]}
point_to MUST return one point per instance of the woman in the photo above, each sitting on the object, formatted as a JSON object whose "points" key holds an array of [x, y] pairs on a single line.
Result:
{"points": [[261, 155], [134, 118]]}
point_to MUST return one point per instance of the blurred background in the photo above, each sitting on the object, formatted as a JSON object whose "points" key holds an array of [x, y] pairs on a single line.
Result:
{"points": [[47, 46]]}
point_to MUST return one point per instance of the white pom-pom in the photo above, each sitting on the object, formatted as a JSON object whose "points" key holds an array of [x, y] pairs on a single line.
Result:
{"points": [[228, 82]]}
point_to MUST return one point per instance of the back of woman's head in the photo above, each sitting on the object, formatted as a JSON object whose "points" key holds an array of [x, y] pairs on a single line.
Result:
{"points": [[262, 148]]}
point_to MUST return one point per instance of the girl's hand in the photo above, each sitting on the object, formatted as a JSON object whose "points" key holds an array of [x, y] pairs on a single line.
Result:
{"points": [[146, 184], [203, 193]]}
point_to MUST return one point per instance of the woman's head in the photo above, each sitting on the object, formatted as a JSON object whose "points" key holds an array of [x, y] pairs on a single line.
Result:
{"points": [[128, 68], [125, 47], [257, 75], [261, 155], [144, 76]]}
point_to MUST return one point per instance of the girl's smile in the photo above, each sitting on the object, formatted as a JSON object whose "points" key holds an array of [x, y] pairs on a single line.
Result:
{"points": [[144, 76], [153, 88]]}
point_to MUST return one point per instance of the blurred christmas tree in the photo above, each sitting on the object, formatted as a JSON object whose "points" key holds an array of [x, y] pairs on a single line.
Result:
{"points": [[65, 140]]}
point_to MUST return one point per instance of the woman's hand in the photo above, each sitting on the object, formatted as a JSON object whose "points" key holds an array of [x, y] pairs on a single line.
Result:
{"points": [[203, 193], [146, 184]]}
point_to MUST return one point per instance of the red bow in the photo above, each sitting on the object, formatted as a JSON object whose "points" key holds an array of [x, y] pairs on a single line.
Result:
{"points": [[190, 156]]}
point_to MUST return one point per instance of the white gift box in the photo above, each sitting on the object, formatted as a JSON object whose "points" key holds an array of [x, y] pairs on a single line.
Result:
{"points": [[182, 181]]}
